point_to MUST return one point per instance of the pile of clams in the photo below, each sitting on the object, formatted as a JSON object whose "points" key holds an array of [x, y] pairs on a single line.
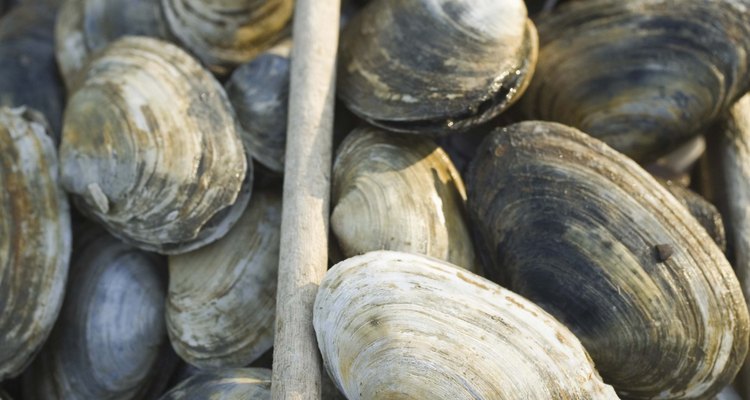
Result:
{"points": [[529, 200]]}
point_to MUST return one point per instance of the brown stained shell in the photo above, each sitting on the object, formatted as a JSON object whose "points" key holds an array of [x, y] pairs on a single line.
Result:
{"points": [[28, 71], [222, 297], [642, 75], [151, 148], [729, 187], [584, 232], [229, 384], [35, 238], [704, 212], [224, 34], [402, 193], [87, 26], [111, 341], [259, 92], [435, 66], [393, 325]]}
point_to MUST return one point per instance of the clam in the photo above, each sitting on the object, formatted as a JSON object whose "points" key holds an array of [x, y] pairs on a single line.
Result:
{"points": [[222, 297], [111, 341], [87, 26], [35, 238], [224, 34], [151, 148], [259, 92], [435, 66], [729, 156], [395, 192], [583, 231], [642, 75], [394, 325], [28, 72], [239, 383]]}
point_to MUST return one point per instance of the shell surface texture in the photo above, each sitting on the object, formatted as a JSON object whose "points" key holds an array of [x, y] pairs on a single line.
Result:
{"points": [[111, 342], [259, 92], [222, 297], [399, 192], [643, 76], [151, 148], [394, 325], [226, 33], [28, 72], [435, 66], [35, 238], [583, 231], [86, 26], [225, 384]]}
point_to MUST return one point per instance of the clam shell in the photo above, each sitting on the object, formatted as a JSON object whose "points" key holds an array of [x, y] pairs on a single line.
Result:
{"points": [[399, 325], [227, 33], [395, 192], [229, 384], [35, 238], [588, 235], [151, 148], [435, 66], [111, 342], [28, 71], [729, 158], [642, 75], [259, 92], [87, 26], [222, 297], [704, 212]]}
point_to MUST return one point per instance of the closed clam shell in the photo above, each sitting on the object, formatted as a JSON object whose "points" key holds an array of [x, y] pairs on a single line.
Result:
{"points": [[402, 193], [435, 66], [642, 75], [35, 238], [222, 297], [225, 384], [28, 71], [226, 33], [151, 148], [259, 92], [86, 26], [704, 212], [729, 157], [111, 341], [399, 325], [584, 232]]}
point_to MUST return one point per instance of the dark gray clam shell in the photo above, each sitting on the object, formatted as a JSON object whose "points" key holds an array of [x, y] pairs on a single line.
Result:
{"points": [[429, 66], [111, 341], [28, 71], [591, 237], [644, 76]]}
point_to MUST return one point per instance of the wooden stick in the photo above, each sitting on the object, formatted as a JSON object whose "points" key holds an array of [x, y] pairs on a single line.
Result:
{"points": [[304, 225]]}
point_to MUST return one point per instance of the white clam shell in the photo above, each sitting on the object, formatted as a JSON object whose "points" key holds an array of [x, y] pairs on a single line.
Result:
{"points": [[398, 325]]}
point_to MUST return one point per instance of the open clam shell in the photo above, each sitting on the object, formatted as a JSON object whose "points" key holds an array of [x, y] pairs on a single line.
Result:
{"points": [[230, 384], [644, 76], [397, 192], [35, 238], [222, 297], [399, 325], [224, 34], [87, 26], [435, 66], [151, 148], [584, 232], [259, 92], [111, 342], [28, 71]]}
